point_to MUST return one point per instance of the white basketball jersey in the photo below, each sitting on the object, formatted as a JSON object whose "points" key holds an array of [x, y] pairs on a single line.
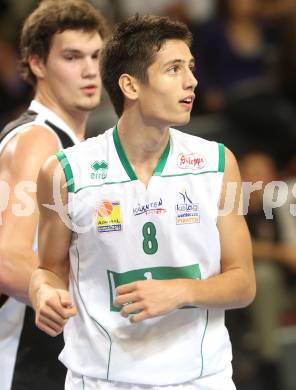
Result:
{"points": [[124, 232]]}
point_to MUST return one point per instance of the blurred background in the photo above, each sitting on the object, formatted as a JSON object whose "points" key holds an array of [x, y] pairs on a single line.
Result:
{"points": [[245, 52]]}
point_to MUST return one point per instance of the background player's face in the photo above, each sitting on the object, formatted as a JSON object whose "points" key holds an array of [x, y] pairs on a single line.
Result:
{"points": [[167, 98], [71, 72]]}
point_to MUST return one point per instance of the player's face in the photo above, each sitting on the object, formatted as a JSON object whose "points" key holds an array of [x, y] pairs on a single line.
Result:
{"points": [[71, 72], [168, 96]]}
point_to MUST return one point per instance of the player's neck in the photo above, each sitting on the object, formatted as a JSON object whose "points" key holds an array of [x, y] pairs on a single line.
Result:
{"points": [[76, 120], [141, 141], [143, 144]]}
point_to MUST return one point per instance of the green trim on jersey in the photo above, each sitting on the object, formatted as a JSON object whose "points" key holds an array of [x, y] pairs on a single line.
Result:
{"points": [[126, 164], [67, 170], [201, 345], [221, 166], [188, 173], [122, 156], [162, 161], [103, 184], [128, 181]]}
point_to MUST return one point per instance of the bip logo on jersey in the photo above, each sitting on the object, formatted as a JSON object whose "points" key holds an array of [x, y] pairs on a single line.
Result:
{"points": [[187, 211], [108, 218]]}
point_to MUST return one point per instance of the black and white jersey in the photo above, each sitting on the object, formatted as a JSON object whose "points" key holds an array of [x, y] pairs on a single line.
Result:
{"points": [[28, 356]]}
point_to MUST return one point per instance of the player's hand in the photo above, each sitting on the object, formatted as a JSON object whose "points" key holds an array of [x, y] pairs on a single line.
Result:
{"points": [[53, 309], [150, 298]]}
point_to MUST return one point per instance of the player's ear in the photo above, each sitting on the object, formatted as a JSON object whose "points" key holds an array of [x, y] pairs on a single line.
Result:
{"points": [[129, 86], [37, 66]]}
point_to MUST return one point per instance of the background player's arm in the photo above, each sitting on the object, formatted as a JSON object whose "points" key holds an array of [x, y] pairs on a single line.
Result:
{"points": [[49, 283], [19, 166], [234, 287]]}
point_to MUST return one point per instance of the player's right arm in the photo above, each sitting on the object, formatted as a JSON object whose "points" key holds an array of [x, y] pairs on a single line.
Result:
{"points": [[20, 162], [49, 283]]}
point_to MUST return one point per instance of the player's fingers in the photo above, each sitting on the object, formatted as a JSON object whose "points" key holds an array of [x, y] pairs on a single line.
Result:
{"points": [[67, 303], [124, 299], [52, 314], [48, 329], [65, 298], [131, 308], [55, 327], [126, 288], [55, 306], [62, 311], [138, 317], [72, 311]]}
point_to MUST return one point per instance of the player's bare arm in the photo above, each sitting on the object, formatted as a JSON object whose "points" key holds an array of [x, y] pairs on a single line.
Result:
{"points": [[234, 287], [19, 166], [49, 284]]}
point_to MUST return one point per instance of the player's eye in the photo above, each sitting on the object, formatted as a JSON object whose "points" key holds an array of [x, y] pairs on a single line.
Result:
{"points": [[192, 68], [95, 56], [71, 57], [173, 69]]}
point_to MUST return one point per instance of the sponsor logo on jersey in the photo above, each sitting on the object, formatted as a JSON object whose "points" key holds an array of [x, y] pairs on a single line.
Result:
{"points": [[100, 170], [108, 218], [149, 208], [116, 279], [191, 161], [187, 211]]}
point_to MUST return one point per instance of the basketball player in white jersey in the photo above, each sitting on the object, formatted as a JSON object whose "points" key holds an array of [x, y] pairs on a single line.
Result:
{"points": [[60, 47], [150, 264]]}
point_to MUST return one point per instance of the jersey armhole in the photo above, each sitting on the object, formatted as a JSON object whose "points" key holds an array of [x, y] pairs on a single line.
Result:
{"points": [[67, 170], [221, 158]]}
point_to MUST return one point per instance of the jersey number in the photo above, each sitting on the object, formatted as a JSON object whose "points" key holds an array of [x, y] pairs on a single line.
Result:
{"points": [[150, 244]]}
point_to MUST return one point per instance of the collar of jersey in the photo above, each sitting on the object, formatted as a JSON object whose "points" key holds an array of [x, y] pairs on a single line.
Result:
{"points": [[126, 164]]}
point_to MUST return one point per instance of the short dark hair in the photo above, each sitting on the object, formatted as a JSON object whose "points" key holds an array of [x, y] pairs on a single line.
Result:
{"points": [[132, 49], [49, 18]]}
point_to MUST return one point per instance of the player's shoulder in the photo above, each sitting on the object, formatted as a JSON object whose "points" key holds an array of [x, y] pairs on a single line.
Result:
{"points": [[189, 143], [33, 138], [191, 153], [37, 132], [231, 166], [190, 139]]}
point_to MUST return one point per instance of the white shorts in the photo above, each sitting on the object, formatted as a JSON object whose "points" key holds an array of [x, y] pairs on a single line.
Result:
{"points": [[220, 381]]}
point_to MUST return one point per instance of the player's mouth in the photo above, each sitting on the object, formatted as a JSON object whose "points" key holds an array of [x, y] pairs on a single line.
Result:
{"points": [[187, 102], [90, 89]]}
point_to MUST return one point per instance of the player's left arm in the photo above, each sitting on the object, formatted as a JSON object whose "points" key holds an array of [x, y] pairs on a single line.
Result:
{"points": [[233, 288], [236, 283]]}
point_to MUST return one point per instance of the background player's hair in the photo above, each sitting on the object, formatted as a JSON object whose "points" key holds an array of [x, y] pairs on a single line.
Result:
{"points": [[132, 49], [49, 18]]}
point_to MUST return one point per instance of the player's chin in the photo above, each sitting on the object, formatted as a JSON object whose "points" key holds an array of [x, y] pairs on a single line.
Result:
{"points": [[182, 120], [89, 105]]}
